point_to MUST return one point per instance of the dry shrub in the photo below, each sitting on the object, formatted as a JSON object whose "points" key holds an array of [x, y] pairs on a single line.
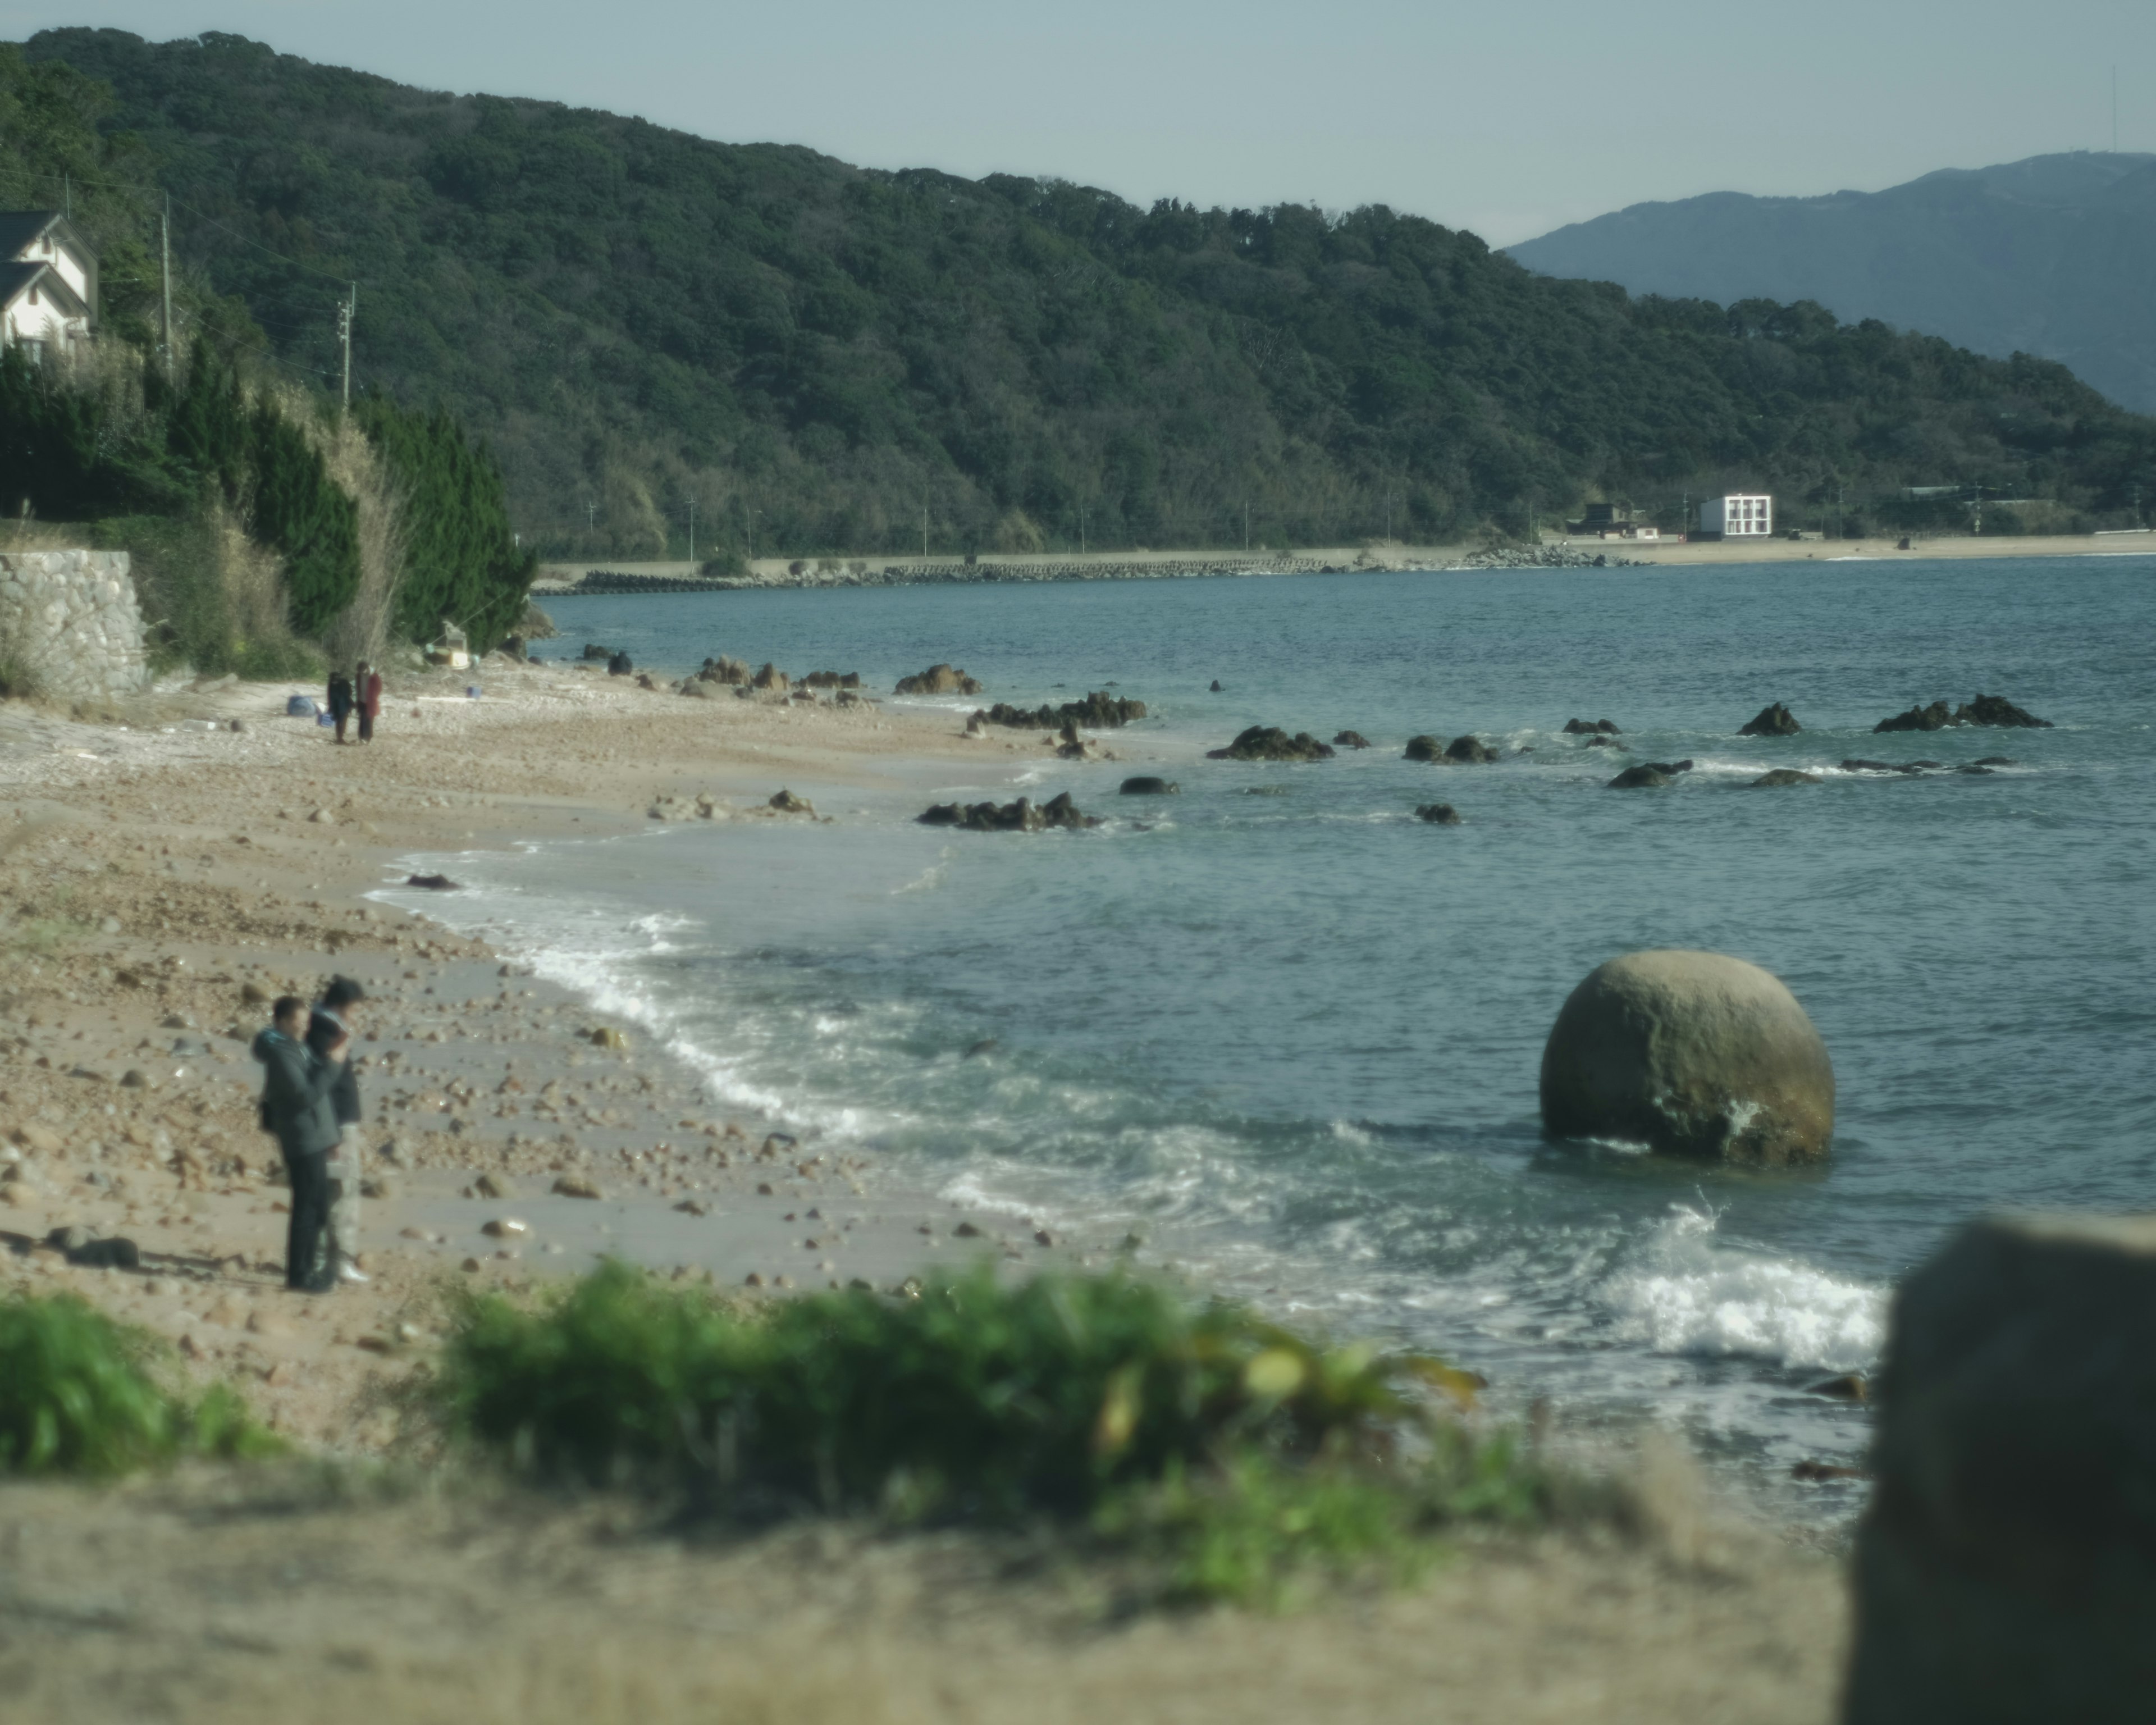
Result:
{"points": [[362, 629]]}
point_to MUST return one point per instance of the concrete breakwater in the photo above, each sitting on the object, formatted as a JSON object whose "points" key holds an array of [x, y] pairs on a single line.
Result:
{"points": [[856, 572]]}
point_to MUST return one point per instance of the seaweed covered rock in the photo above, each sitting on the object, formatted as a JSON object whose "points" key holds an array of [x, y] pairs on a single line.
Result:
{"points": [[1269, 742], [1935, 717], [1692, 1054], [1147, 786], [723, 670], [1098, 711], [938, 680], [1468, 752], [1438, 814], [1425, 748], [1784, 776], [1023, 816], [1998, 709], [832, 680], [1646, 777], [1351, 740], [1590, 727], [1771, 721], [771, 679]]}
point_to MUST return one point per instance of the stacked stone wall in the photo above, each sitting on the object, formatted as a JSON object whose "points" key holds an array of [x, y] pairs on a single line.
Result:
{"points": [[69, 623]]}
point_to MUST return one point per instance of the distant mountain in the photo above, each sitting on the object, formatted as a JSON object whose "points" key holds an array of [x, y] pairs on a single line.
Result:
{"points": [[2055, 256], [816, 357]]}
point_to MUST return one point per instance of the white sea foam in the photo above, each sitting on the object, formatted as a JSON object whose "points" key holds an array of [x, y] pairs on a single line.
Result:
{"points": [[1685, 1294]]}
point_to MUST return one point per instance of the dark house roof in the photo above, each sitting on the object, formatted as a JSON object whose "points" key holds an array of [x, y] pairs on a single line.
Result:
{"points": [[19, 226], [15, 277]]}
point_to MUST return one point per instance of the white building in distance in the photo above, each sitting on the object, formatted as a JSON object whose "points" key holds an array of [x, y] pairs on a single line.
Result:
{"points": [[1736, 516], [48, 282]]}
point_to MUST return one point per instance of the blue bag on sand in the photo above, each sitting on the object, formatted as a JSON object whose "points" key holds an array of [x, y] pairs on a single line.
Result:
{"points": [[300, 706], [324, 719]]}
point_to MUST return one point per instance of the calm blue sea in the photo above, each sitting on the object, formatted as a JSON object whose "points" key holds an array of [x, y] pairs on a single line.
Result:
{"points": [[1291, 1034]]}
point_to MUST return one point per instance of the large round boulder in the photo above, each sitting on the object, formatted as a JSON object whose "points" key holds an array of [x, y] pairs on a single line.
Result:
{"points": [[1692, 1054]]}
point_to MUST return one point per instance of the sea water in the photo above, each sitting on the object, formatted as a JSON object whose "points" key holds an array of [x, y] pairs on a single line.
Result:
{"points": [[1288, 1034]]}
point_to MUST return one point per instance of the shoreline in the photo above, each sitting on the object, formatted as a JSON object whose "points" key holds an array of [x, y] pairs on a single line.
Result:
{"points": [[163, 867], [557, 579]]}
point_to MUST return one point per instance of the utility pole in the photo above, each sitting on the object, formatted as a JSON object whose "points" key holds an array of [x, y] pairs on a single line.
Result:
{"points": [[165, 251], [692, 526], [924, 529], [1246, 525], [1081, 530], [591, 516], [346, 313]]}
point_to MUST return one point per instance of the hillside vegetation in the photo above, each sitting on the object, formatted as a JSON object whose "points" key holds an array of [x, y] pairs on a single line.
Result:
{"points": [[822, 356], [2051, 256]]}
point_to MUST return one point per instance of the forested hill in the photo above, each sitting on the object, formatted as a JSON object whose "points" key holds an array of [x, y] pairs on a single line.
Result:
{"points": [[2052, 256], [816, 352]]}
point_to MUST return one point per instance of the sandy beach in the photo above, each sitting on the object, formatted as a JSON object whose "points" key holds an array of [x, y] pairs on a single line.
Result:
{"points": [[171, 867]]}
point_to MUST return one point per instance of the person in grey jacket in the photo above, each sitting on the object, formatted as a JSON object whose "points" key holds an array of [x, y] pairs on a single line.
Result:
{"points": [[330, 1024], [296, 1109]]}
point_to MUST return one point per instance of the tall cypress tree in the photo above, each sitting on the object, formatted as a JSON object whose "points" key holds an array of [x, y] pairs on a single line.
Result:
{"points": [[299, 511], [462, 563]]}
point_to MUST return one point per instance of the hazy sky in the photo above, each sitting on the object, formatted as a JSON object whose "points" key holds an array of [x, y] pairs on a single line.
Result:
{"points": [[1508, 120]]}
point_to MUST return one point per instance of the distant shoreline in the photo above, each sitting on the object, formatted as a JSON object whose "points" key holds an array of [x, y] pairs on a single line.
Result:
{"points": [[558, 578]]}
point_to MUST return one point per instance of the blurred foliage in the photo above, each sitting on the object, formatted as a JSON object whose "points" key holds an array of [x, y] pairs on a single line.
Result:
{"points": [[1238, 1450], [78, 1395]]}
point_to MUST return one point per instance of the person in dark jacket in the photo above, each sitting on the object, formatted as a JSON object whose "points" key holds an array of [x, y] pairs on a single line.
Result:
{"points": [[340, 694], [329, 1025], [296, 1109]]}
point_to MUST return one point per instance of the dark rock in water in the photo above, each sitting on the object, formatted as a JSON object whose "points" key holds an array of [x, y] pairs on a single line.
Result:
{"points": [[1785, 775], [1590, 727], [2002, 1569], [1215, 689], [785, 803], [1848, 1387], [593, 650], [1775, 721], [1934, 717], [1668, 769], [1924, 767], [1269, 742], [1993, 761], [1468, 752], [1144, 786], [1438, 814], [832, 680], [1639, 778], [1603, 742], [1692, 1054], [1856, 765], [620, 665], [1424, 748], [1351, 740], [1998, 709], [1098, 711], [433, 883], [938, 680], [1266, 790], [1023, 816]]}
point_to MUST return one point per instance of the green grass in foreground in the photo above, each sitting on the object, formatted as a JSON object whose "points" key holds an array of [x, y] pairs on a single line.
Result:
{"points": [[1232, 1450], [79, 1394]]}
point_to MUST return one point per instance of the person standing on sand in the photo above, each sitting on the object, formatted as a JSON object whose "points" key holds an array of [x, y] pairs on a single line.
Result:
{"points": [[296, 1109], [339, 701], [330, 1026], [368, 693]]}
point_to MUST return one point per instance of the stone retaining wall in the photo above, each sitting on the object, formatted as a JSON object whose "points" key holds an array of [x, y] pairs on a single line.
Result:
{"points": [[70, 623]]}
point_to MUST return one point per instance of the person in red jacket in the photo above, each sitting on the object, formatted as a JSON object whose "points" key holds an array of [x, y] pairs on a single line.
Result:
{"points": [[368, 695]]}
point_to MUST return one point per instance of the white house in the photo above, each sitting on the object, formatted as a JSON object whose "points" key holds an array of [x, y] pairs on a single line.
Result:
{"points": [[48, 282], [1736, 516]]}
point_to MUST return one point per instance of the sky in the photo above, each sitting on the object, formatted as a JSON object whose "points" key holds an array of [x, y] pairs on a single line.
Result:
{"points": [[1506, 120]]}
